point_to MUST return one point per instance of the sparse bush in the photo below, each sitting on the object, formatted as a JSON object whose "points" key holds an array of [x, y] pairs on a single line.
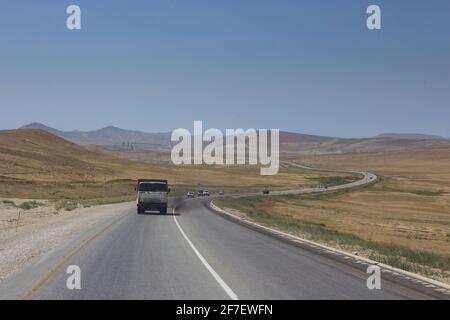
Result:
{"points": [[66, 205], [427, 193], [28, 205]]}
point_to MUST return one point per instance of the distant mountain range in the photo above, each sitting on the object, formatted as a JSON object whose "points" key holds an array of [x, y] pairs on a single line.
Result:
{"points": [[113, 138], [413, 136]]}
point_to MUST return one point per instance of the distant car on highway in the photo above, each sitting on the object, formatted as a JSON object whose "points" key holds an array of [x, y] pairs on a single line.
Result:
{"points": [[203, 193], [266, 191], [221, 193], [190, 194]]}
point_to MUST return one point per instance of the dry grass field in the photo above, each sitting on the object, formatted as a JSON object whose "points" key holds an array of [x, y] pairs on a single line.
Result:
{"points": [[411, 203], [426, 169], [35, 164], [403, 220]]}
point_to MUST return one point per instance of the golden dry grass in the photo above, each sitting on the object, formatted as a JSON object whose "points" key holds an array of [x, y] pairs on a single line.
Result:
{"points": [[408, 210], [413, 221], [426, 169], [410, 206], [36, 164]]}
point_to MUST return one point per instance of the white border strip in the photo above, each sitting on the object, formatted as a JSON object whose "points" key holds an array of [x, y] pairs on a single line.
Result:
{"points": [[337, 251]]}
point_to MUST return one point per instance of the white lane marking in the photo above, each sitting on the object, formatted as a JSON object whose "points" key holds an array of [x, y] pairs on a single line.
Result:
{"points": [[222, 283]]}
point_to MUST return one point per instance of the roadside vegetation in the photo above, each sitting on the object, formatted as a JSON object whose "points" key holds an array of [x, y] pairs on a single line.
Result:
{"points": [[26, 205], [332, 181], [65, 205], [348, 220]]}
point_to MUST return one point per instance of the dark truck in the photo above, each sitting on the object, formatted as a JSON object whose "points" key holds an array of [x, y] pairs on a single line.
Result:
{"points": [[152, 195]]}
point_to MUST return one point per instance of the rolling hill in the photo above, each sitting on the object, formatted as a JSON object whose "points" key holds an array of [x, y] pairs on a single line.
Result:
{"points": [[413, 136], [34, 154], [135, 144], [38, 164], [299, 146], [111, 137]]}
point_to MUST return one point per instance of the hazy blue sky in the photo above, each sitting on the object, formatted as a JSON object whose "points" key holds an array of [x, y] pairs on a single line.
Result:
{"points": [[305, 66]]}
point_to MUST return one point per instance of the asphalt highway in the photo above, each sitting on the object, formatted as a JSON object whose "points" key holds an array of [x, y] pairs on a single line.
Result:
{"points": [[192, 253]]}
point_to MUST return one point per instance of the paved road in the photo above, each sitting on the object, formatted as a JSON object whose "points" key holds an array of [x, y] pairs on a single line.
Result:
{"points": [[196, 254], [366, 179]]}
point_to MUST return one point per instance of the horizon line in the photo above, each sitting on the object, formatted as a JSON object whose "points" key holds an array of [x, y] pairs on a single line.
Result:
{"points": [[169, 131]]}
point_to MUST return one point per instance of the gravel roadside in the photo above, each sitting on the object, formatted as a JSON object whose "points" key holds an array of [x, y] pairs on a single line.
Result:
{"points": [[41, 229]]}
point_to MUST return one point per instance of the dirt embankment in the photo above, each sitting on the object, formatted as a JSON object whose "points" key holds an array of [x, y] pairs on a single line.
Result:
{"points": [[41, 227]]}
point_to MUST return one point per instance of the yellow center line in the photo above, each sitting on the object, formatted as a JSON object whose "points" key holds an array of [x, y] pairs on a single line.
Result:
{"points": [[29, 295]]}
